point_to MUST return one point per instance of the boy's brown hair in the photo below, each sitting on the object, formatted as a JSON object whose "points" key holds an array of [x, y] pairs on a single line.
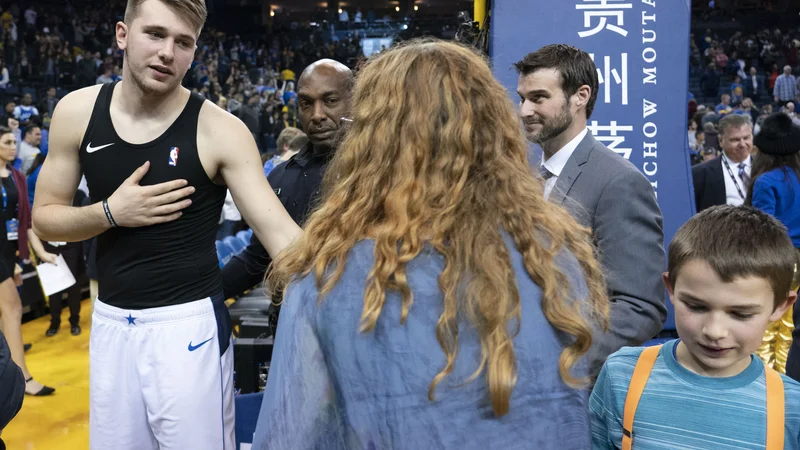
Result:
{"points": [[736, 241], [193, 10]]}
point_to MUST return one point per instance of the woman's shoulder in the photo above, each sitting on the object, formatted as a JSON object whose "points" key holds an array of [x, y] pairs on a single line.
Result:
{"points": [[779, 175]]}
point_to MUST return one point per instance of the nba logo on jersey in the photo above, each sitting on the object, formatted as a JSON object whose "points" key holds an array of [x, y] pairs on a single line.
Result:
{"points": [[173, 156]]}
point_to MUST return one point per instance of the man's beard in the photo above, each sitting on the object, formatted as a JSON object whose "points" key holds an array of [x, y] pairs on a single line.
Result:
{"points": [[553, 127]]}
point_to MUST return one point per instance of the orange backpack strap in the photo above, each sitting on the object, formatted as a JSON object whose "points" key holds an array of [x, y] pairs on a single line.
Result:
{"points": [[638, 381], [775, 409]]}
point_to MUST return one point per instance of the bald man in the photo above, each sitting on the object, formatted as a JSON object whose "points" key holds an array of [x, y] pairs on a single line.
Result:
{"points": [[323, 98]]}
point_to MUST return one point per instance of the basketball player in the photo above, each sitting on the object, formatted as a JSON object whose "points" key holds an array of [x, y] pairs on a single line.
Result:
{"points": [[158, 161]]}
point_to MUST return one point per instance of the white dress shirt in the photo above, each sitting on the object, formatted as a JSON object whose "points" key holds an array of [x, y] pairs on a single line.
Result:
{"points": [[731, 193], [557, 162]]}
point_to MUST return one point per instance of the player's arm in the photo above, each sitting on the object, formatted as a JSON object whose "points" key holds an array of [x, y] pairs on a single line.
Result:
{"points": [[131, 205], [54, 217], [239, 166]]}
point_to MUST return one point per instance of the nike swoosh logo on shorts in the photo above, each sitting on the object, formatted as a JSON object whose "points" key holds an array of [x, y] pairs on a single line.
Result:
{"points": [[195, 347], [90, 149]]}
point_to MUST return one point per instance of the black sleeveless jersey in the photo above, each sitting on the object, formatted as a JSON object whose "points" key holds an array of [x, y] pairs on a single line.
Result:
{"points": [[164, 264]]}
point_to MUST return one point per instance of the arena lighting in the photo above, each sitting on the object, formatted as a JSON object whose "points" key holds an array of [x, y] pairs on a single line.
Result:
{"points": [[340, 10], [416, 8], [397, 8], [405, 26], [272, 13]]}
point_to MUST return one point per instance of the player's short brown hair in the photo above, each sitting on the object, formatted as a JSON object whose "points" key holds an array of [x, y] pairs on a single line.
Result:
{"points": [[192, 10]]}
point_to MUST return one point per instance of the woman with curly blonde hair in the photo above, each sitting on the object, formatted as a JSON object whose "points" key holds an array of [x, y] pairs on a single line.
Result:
{"points": [[436, 300]]}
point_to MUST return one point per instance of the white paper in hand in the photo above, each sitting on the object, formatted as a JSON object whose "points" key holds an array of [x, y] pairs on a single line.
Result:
{"points": [[55, 277]]}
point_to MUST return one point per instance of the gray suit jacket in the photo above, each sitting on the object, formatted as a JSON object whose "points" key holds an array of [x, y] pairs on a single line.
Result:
{"points": [[607, 193]]}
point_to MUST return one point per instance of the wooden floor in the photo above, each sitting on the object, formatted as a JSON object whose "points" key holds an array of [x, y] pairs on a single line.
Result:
{"points": [[60, 421]]}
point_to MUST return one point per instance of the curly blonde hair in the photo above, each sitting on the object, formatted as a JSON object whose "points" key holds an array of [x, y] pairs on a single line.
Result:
{"points": [[435, 155]]}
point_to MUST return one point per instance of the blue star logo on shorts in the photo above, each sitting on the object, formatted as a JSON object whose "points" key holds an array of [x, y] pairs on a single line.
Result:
{"points": [[131, 319]]}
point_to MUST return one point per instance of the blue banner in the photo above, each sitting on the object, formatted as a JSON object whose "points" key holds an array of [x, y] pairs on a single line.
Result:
{"points": [[641, 49]]}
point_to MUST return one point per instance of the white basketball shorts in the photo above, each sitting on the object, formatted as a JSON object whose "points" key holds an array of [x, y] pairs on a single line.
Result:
{"points": [[162, 378]]}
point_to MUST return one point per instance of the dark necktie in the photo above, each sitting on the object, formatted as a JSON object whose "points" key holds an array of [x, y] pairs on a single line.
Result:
{"points": [[545, 173], [743, 175]]}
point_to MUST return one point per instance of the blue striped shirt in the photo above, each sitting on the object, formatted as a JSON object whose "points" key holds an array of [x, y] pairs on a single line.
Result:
{"points": [[682, 410], [785, 88]]}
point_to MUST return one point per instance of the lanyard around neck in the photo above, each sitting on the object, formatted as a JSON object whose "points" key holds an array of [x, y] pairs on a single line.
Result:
{"points": [[730, 172]]}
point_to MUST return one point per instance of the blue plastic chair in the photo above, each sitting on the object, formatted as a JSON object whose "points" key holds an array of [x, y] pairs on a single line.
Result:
{"points": [[235, 244], [244, 236], [224, 253]]}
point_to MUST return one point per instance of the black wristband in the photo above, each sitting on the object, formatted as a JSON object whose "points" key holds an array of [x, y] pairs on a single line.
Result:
{"points": [[108, 214]]}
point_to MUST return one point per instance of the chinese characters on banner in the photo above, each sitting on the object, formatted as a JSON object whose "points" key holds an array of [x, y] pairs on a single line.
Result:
{"points": [[617, 16]]}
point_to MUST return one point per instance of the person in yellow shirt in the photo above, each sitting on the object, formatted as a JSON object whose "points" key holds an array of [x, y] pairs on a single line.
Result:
{"points": [[288, 75], [7, 19]]}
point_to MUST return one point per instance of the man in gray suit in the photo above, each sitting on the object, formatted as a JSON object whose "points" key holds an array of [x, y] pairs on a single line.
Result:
{"points": [[558, 88]]}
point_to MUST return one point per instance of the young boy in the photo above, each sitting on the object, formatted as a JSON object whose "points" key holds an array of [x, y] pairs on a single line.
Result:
{"points": [[729, 275]]}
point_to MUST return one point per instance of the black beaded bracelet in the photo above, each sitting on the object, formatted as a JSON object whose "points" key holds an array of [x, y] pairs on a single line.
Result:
{"points": [[108, 214]]}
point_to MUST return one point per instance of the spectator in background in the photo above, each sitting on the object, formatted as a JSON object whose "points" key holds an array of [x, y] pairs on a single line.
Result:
{"points": [[24, 67], [773, 77], [86, 70], [72, 252], [789, 110], [250, 114], [107, 76], [709, 82], [724, 107], [288, 92], [66, 69], [13, 125], [748, 109], [5, 78], [754, 85], [692, 135], [287, 75], [724, 180], [700, 140], [287, 119], [29, 148], [48, 104], [8, 112], [26, 111], [737, 91], [785, 87], [289, 143]]}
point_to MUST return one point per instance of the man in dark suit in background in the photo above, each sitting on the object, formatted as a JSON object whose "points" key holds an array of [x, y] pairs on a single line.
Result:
{"points": [[558, 89], [725, 180], [754, 85]]}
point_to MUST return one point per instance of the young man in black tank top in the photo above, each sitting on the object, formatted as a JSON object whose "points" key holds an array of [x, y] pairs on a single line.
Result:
{"points": [[157, 160]]}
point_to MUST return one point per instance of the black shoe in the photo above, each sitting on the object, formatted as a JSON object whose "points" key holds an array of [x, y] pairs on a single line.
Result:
{"points": [[27, 347], [42, 392], [52, 331], [75, 330]]}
